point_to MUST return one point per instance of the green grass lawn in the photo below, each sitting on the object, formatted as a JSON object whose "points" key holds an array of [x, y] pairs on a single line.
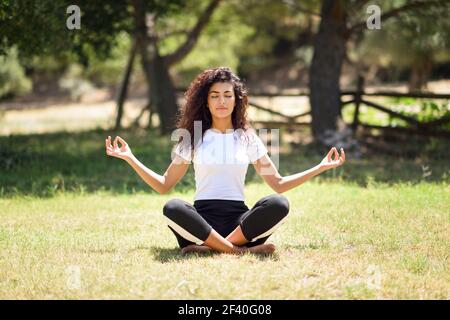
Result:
{"points": [[75, 224]]}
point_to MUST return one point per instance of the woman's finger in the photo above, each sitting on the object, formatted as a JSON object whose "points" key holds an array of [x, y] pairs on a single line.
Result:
{"points": [[115, 144], [108, 148], [329, 154], [123, 142], [336, 154], [108, 144], [342, 155]]}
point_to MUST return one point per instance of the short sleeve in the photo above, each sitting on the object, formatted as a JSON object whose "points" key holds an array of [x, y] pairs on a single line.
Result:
{"points": [[256, 148], [183, 151]]}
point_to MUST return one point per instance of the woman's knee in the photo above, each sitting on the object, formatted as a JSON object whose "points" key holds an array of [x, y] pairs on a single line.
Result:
{"points": [[185, 221], [173, 207], [278, 204]]}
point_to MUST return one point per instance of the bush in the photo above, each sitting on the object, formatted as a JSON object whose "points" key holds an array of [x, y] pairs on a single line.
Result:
{"points": [[12, 76]]}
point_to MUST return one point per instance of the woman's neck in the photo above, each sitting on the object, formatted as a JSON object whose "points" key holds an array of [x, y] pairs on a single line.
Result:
{"points": [[222, 125]]}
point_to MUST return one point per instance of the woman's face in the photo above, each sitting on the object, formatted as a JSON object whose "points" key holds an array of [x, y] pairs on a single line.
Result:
{"points": [[221, 99]]}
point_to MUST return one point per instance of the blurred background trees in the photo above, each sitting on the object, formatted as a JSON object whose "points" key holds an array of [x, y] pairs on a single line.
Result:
{"points": [[317, 46]]}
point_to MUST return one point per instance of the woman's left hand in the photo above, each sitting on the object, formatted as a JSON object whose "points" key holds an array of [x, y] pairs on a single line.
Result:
{"points": [[329, 163]]}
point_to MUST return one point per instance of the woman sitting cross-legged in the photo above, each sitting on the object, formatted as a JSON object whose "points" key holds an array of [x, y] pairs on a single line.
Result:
{"points": [[217, 139]]}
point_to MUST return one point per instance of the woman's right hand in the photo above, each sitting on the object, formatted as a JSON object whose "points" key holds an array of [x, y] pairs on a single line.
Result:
{"points": [[123, 152]]}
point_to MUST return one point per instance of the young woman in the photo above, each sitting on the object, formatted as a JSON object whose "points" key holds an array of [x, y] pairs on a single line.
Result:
{"points": [[219, 141]]}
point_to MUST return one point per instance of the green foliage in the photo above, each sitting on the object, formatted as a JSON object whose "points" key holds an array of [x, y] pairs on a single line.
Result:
{"points": [[35, 27], [73, 82], [241, 35], [219, 44], [283, 34], [424, 110], [39, 27], [109, 71], [406, 40], [12, 76]]}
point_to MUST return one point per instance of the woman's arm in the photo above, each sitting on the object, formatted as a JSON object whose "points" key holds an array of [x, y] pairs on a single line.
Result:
{"points": [[267, 170], [162, 184]]}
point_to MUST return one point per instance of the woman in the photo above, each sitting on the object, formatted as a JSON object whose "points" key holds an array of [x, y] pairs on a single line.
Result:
{"points": [[223, 145]]}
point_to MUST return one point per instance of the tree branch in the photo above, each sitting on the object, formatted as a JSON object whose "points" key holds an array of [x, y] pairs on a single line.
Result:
{"points": [[414, 5], [192, 38]]}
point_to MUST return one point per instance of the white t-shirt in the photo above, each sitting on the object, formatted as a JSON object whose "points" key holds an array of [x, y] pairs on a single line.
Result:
{"points": [[221, 162]]}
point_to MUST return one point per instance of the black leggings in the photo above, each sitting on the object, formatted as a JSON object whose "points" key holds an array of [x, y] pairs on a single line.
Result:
{"points": [[193, 223]]}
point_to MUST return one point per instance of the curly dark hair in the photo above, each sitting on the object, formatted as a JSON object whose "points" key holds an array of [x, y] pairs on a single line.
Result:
{"points": [[196, 108]]}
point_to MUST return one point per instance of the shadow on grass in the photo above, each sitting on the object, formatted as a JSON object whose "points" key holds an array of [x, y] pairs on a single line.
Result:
{"points": [[46, 164], [167, 255]]}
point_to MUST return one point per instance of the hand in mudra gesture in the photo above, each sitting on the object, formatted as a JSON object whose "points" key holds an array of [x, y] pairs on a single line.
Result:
{"points": [[329, 163], [114, 150]]}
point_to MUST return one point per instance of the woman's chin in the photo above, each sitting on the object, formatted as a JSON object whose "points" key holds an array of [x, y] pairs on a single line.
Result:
{"points": [[222, 115]]}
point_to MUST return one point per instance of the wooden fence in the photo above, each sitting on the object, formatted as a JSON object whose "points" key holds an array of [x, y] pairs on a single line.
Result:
{"points": [[359, 98]]}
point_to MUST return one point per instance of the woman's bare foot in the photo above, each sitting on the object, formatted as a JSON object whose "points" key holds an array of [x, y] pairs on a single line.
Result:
{"points": [[265, 248], [192, 248]]}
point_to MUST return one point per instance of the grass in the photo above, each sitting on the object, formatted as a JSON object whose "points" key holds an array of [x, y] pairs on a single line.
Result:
{"points": [[354, 243], [78, 225], [46, 164]]}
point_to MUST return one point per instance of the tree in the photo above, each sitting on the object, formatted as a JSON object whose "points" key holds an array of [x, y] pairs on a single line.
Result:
{"points": [[38, 28], [281, 34], [337, 25], [156, 67], [123, 89], [329, 51], [414, 42]]}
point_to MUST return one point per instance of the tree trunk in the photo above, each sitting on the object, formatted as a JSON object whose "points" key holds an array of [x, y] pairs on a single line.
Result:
{"points": [[160, 88], [162, 95], [420, 73], [124, 86], [329, 53]]}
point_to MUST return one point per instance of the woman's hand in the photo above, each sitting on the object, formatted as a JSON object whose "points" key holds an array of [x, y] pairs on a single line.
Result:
{"points": [[329, 163], [122, 152]]}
